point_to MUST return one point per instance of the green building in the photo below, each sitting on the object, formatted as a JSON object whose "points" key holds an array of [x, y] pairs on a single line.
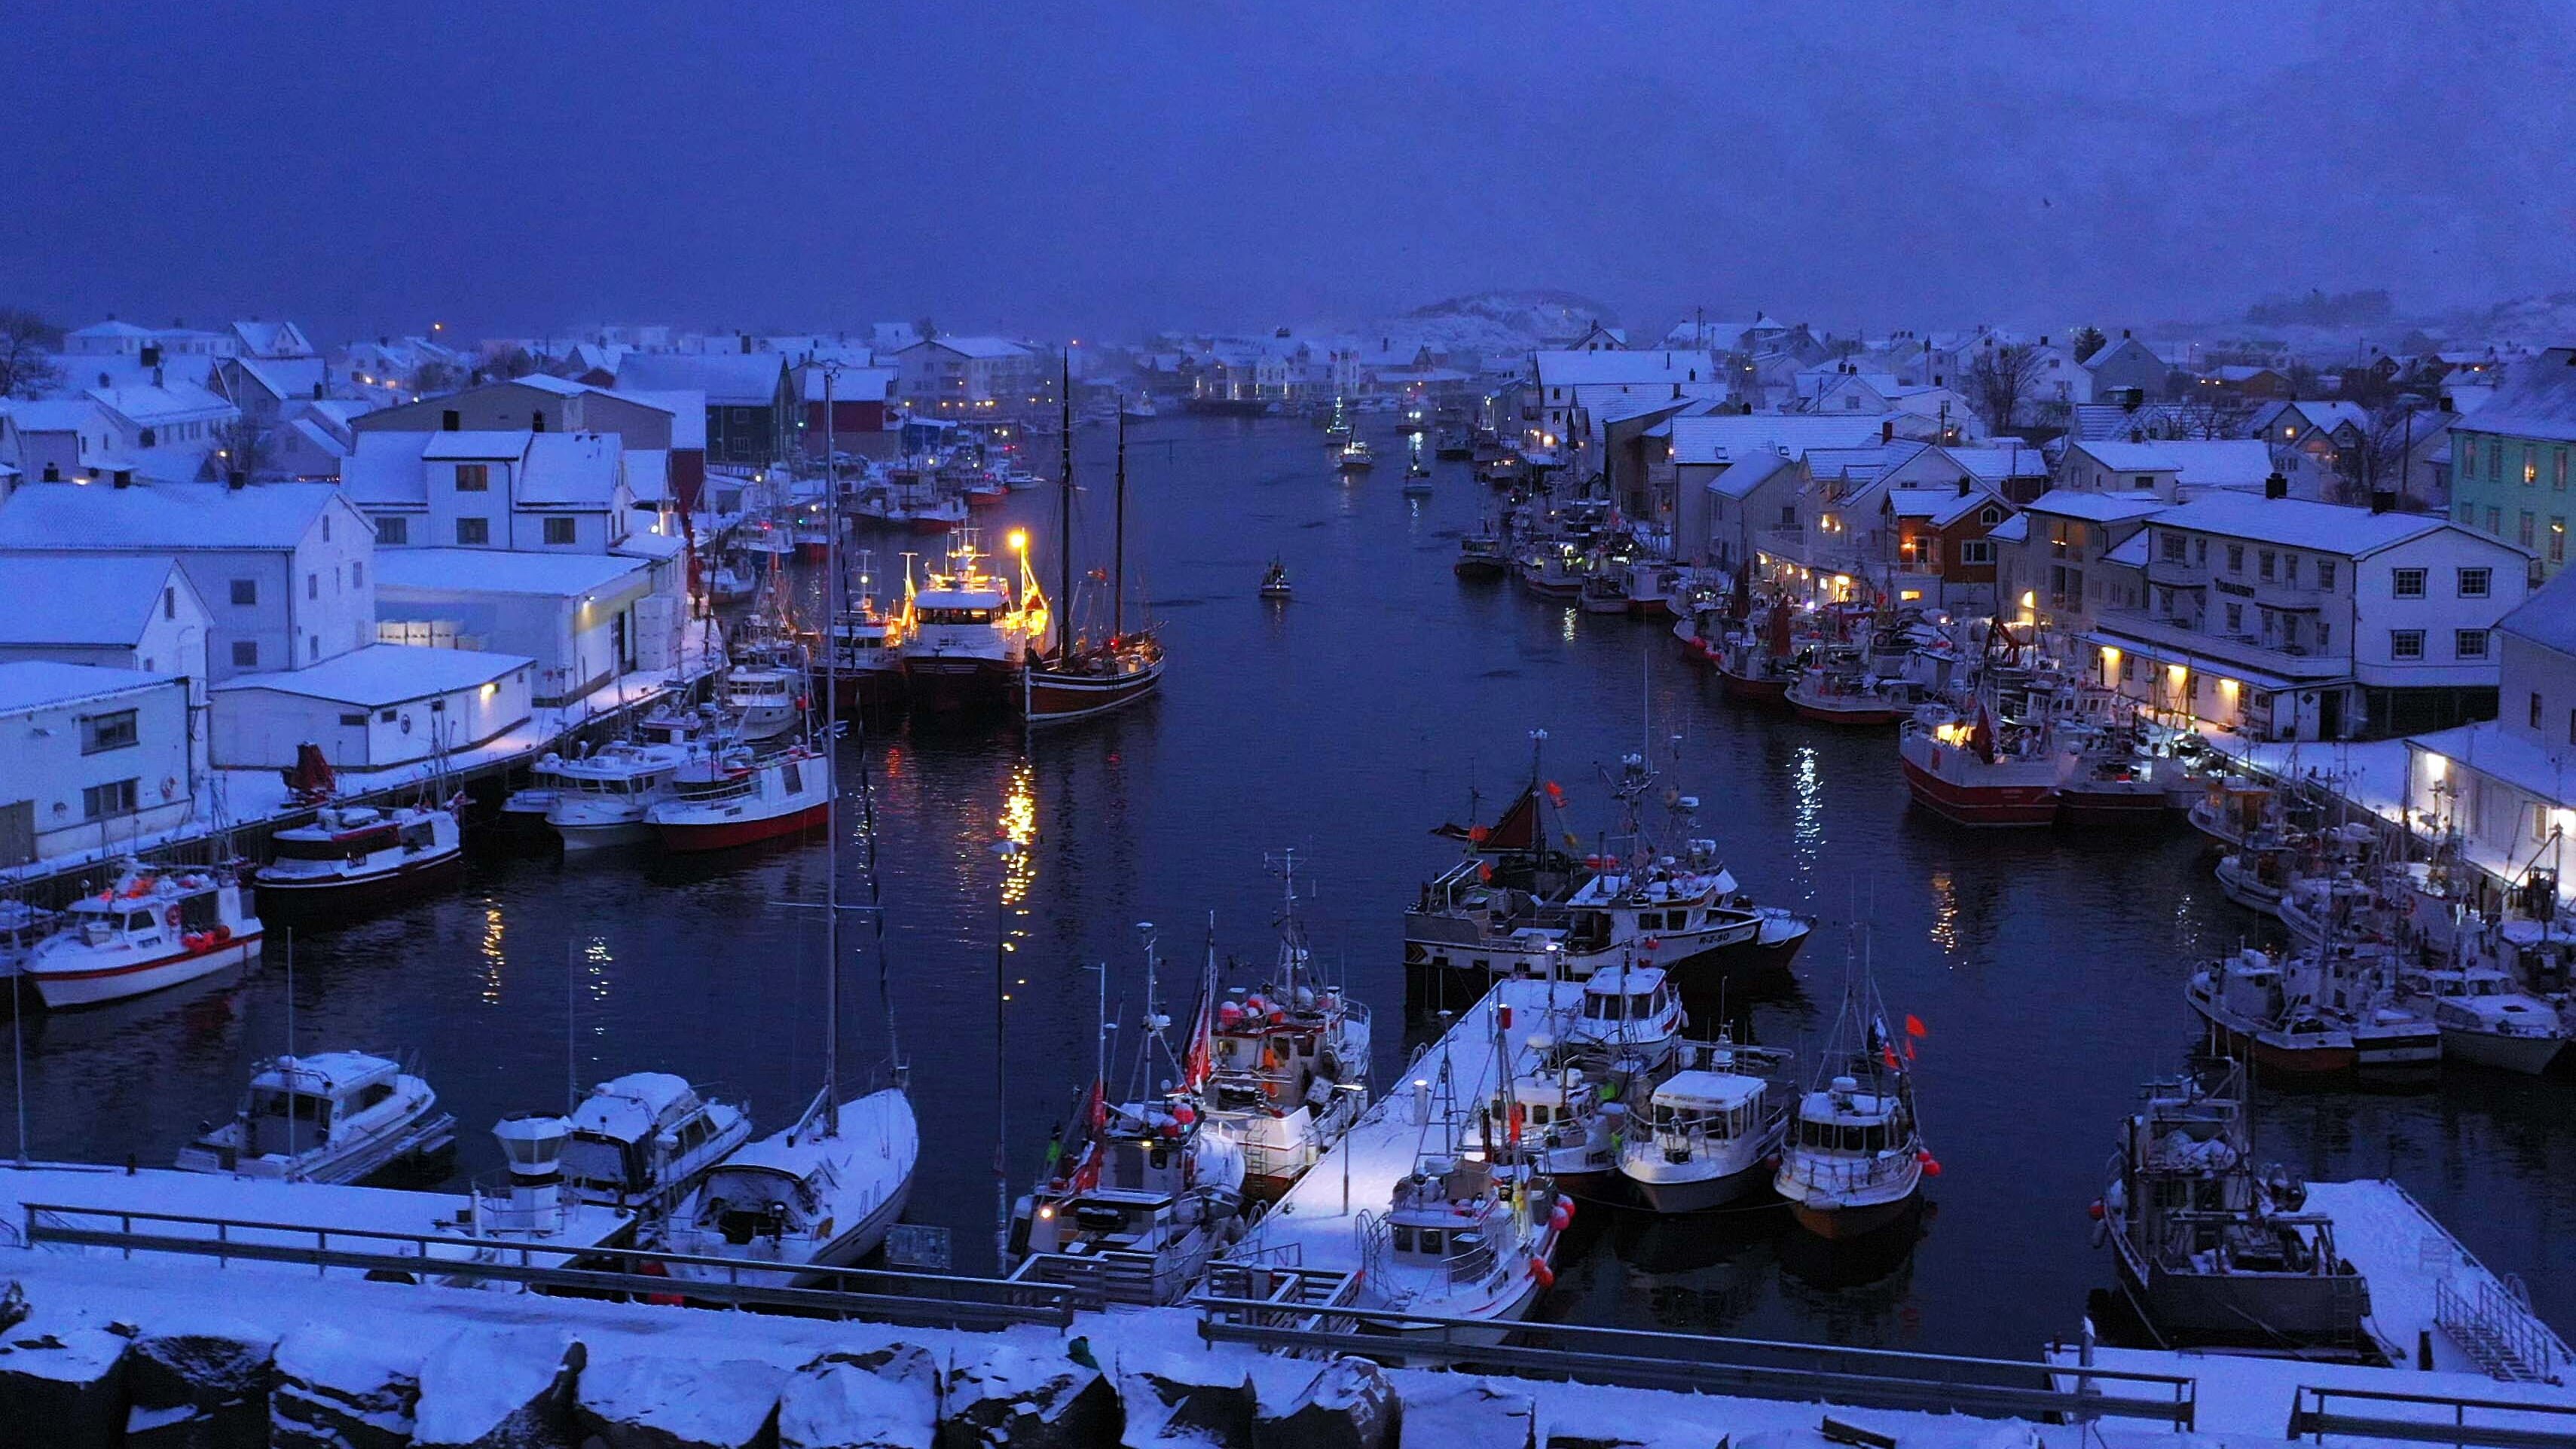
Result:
{"points": [[2509, 459]]}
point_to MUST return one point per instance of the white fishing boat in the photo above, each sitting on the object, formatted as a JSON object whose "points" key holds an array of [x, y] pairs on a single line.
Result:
{"points": [[1459, 1241], [150, 930], [1354, 456], [765, 700], [1631, 1020], [353, 857], [1556, 1122], [795, 1204], [2487, 1018], [2252, 1007], [727, 584], [641, 1141], [600, 799], [1853, 1161], [1290, 1061], [325, 1117], [1711, 1132], [968, 632]]}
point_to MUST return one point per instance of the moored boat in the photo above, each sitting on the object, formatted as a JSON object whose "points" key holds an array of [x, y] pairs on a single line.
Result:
{"points": [[151, 929], [600, 799], [731, 797], [968, 634], [641, 1141], [2487, 1019], [1853, 1161], [353, 857], [795, 1204], [1975, 774], [1711, 1131], [325, 1117], [2251, 1007]]}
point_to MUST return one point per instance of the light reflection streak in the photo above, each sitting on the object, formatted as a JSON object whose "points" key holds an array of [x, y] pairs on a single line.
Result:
{"points": [[1945, 913], [1807, 817], [493, 960]]}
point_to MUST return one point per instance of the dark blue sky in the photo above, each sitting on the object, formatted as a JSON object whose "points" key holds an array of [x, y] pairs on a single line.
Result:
{"points": [[1048, 168]]}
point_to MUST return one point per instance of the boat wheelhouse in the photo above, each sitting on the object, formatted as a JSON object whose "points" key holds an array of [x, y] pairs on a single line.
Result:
{"points": [[326, 1117], [1459, 1241], [1139, 1211], [1710, 1132], [765, 700], [967, 635], [601, 798], [641, 1141]]}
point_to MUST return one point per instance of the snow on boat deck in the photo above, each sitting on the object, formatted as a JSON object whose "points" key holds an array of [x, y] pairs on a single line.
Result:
{"points": [[297, 1212], [2405, 1253], [2252, 1396], [1314, 1225]]}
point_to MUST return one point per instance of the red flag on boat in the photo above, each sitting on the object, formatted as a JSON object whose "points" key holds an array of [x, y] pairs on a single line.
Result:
{"points": [[1887, 1051], [1909, 1051], [1914, 1026], [1199, 1063]]}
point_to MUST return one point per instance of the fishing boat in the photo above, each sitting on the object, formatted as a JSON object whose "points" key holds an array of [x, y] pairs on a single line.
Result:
{"points": [[2107, 777], [1449, 443], [601, 799], [727, 584], [1459, 1240], [765, 700], [1275, 584], [642, 1141], [968, 633], [1152, 1189], [1553, 1121], [1843, 690], [2258, 874], [327, 1117], [1137, 407], [1553, 570], [813, 539], [1978, 773], [732, 797], [1087, 678], [2485, 1017], [1289, 1059], [929, 514], [1712, 1131], [1757, 667], [2250, 1006], [354, 857], [985, 491], [151, 929], [1602, 592], [1482, 555], [1853, 1162], [1354, 456], [1628, 1026], [2234, 811], [2211, 1252], [864, 654]]}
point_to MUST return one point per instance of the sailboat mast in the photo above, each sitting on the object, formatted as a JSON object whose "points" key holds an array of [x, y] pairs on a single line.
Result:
{"points": [[1118, 548], [831, 774], [1064, 513]]}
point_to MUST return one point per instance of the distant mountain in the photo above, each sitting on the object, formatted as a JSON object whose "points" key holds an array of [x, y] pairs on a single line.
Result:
{"points": [[1496, 323]]}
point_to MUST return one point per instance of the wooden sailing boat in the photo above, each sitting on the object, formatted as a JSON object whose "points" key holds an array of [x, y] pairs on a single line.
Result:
{"points": [[1082, 679], [821, 1194]]}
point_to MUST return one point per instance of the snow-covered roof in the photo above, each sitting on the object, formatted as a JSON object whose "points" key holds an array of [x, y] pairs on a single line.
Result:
{"points": [[380, 675], [384, 471], [476, 445], [272, 339], [55, 414], [977, 347], [113, 328], [1657, 367], [650, 546], [569, 470], [2548, 617], [855, 384], [285, 377], [2097, 507], [1729, 437], [727, 379], [2489, 749], [1756, 468], [43, 683], [628, 1107], [2012, 530], [2536, 400], [175, 516], [559, 386], [148, 406], [2298, 523], [2200, 463], [648, 475], [2004, 460], [107, 600], [2131, 553], [502, 571], [1713, 1090]]}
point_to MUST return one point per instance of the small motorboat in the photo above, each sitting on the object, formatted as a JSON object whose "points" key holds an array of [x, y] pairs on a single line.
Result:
{"points": [[353, 856], [337, 1117], [1274, 583], [642, 1141], [1354, 456], [147, 931], [1710, 1130]]}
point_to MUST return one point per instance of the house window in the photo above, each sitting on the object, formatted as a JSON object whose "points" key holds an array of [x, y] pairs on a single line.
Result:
{"points": [[1976, 551], [145, 437], [2325, 575], [393, 530], [358, 718], [2495, 522], [169, 603], [2468, 643], [245, 654], [116, 797], [2173, 545], [2558, 540], [2468, 450], [2474, 583], [473, 532], [1990, 517], [103, 732], [2495, 458], [2235, 618], [2236, 558], [326, 528], [2200, 552], [2264, 563], [2558, 468], [2528, 524], [246, 593], [473, 477], [2325, 635], [2406, 583], [2405, 643], [312, 648], [357, 576], [559, 530], [2535, 709], [2530, 464], [312, 586]]}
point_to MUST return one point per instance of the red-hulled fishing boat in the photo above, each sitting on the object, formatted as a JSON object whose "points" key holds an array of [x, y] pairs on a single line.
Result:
{"points": [[1966, 774], [733, 797], [1082, 679], [1758, 671]]}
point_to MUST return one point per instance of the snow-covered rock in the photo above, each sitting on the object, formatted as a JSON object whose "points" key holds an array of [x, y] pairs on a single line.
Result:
{"points": [[1026, 1400], [1183, 1398], [61, 1388], [200, 1385], [1350, 1405], [499, 1390], [340, 1390], [1464, 1409], [888, 1399], [13, 1304], [681, 1403]]}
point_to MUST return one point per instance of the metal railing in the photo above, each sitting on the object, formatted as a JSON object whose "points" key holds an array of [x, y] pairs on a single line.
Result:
{"points": [[2498, 1330], [1745, 1367], [1093, 1281], [2539, 1426], [925, 1299]]}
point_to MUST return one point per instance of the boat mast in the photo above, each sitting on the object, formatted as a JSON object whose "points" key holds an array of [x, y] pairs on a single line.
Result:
{"points": [[831, 775], [1118, 548], [1064, 513]]}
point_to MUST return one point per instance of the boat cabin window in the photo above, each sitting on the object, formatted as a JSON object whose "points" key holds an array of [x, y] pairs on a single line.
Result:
{"points": [[139, 921], [1538, 1115], [418, 835], [1430, 1241], [308, 1109], [957, 616], [370, 1095]]}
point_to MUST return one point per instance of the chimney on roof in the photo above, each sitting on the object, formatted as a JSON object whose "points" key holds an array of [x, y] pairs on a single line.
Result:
{"points": [[382, 341], [451, 421], [53, 473], [2276, 486], [2383, 500], [317, 390], [124, 477], [1887, 431], [151, 355], [237, 480], [536, 422], [746, 344]]}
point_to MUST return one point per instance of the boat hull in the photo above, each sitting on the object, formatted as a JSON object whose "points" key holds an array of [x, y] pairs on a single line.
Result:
{"points": [[1981, 805], [1748, 689], [96, 987], [1050, 698], [2325, 1059], [602, 835], [328, 898], [958, 683], [740, 831], [2078, 805], [1841, 1224], [1851, 716], [2529, 1055], [1700, 1194]]}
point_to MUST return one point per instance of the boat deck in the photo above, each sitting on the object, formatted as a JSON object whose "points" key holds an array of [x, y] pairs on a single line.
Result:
{"points": [[2425, 1287], [1314, 1226]]}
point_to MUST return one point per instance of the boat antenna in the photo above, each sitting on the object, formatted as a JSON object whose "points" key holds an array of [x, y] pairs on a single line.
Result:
{"points": [[572, 1009], [831, 752], [18, 1058], [1118, 549], [1064, 512]]}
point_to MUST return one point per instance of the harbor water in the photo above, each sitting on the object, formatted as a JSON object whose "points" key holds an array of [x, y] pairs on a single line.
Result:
{"points": [[1380, 702]]}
